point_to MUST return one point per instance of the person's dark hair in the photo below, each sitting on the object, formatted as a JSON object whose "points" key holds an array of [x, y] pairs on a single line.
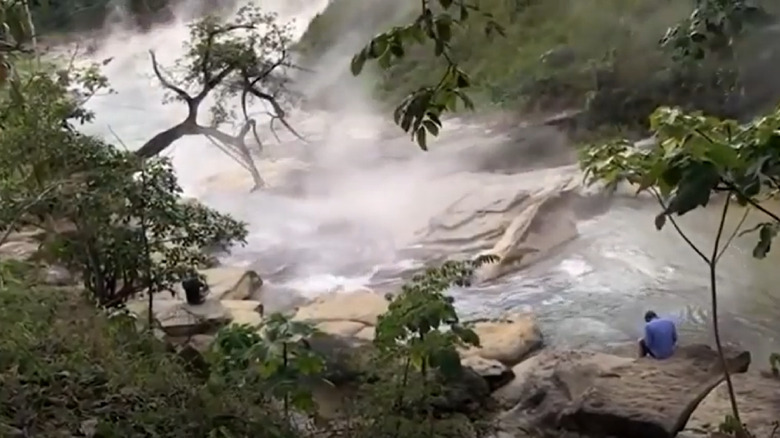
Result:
{"points": [[650, 315]]}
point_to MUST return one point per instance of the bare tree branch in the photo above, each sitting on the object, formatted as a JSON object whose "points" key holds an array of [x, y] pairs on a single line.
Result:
{"points": [[166, 83]]}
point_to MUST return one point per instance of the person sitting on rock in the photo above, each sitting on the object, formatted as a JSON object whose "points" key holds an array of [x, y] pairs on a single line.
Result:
{"points": [[194, 290], [660, 338]]}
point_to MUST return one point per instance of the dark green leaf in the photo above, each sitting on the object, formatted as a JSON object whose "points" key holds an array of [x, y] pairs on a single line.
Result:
{"points": [[357, 63], [432, 127], [766, 235], [464, 12], [694, 189], [660, 221], [443, 30], [421, 138]]}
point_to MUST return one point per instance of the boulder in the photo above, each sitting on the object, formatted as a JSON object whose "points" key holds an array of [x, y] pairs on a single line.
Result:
{"points": [[467, 392], [542, 223], [345, 362], [758, 398], [493, 216], [541, 367], [244, 312], [345, 314], [57, 276], [230, 283], [192, 351], [22, 245], [179, 319], [494, 372], [598, 395], [508, 340]]}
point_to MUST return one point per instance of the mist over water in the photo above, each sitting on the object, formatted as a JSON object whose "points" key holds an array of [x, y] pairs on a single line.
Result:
{"points": [[346, 208]]}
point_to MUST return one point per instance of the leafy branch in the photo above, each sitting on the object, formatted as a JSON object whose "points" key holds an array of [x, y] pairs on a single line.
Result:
{"points": [[421, 111], [422, 327]]}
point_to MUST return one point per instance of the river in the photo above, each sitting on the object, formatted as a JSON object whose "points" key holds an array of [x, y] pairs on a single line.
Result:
{"points": [[593, 290]]}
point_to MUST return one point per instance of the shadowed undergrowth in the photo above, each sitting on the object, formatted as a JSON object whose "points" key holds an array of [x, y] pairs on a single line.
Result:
{"points": [[68, 370]]}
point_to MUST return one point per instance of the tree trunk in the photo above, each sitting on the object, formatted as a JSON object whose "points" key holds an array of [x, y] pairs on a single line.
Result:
{"points": [[165, 139]]}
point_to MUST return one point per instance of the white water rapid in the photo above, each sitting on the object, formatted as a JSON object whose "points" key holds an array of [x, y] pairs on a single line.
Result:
{"points": [[367, 205]]}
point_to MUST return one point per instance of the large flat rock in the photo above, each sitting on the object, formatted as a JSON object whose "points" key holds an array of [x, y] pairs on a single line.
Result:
{"points": [[597, 395], [229, 283], [179, 319], [361, 307], [509, 339]]}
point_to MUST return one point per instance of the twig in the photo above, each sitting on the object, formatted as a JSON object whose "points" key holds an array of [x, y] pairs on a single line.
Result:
{"points": [[678, 229], [733, 233]]}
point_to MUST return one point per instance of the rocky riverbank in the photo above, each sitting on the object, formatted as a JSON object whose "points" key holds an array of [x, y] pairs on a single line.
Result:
{"points": [[526, 387]]}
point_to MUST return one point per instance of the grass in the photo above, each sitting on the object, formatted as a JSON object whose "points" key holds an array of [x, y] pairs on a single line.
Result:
{"points": [[68, 370]]}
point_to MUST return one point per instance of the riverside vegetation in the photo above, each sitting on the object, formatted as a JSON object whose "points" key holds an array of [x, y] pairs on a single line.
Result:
{"points": [[72, 364], [695, 156]]}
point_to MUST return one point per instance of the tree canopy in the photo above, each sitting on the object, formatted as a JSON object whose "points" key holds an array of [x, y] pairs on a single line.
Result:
{"points": [[247, 58]]}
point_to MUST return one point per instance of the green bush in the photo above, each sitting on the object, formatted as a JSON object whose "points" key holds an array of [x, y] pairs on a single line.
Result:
{"points": [[66, 369]]}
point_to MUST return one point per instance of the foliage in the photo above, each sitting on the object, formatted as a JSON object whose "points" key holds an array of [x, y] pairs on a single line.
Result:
{"points": [[15, 35], [246, 58], [85, 15], [697, 157], [416, 315], [713, 27], [125, 227], [421, 111], [420, 331], [69, 370], [602, 56], [272, 358], [774, 364]]}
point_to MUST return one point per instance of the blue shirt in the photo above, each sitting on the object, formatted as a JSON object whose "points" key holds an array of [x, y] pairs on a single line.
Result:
{"points": [[661, 337]]}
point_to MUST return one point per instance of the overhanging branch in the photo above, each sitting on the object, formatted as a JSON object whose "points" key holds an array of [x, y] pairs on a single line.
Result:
{"points": [[166, 83]]}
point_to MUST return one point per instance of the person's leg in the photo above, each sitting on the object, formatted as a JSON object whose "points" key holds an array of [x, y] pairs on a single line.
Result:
{"points": [[643, 350]]}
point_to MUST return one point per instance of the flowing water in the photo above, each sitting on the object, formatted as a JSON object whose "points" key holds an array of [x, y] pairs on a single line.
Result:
{"points": [[351, 221]]}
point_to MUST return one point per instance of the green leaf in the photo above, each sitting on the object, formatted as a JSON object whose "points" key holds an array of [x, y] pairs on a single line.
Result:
{"points": [[466, 335], [438, 47], [660, 221], [432, 127], [462, 80], [694, 189], [385, 60], [358, 61], [444, 30], [447, 360], [767, 234], [464, 12], [378, 47], [421, 138], [397, 49]]}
